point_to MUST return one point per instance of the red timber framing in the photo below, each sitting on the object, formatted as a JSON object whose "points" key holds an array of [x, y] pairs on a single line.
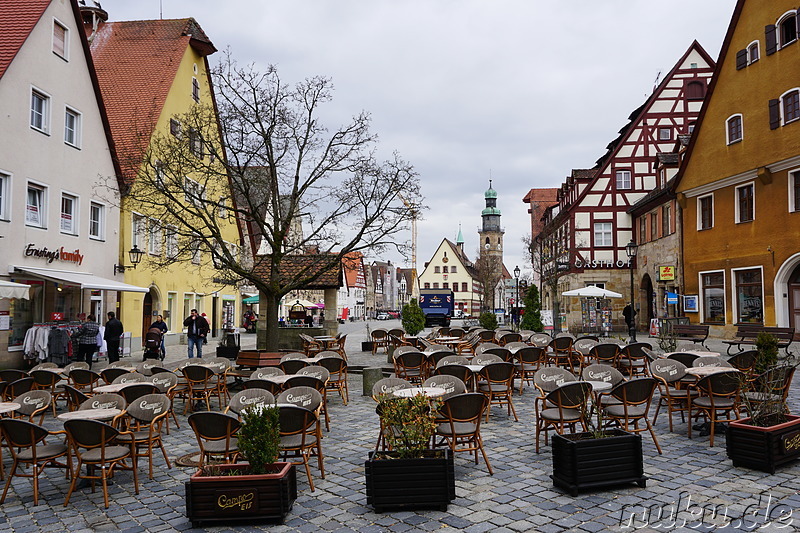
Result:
{"points": [[596, 196]]}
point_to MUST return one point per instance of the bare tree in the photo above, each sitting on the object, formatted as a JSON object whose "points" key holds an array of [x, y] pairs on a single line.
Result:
{"points": [[489, 271], [262, 158]]}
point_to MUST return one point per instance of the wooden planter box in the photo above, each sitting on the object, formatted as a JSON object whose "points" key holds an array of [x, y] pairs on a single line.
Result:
{"points": [[241, 497], [410, 483], [581, 462], [763, 448]]}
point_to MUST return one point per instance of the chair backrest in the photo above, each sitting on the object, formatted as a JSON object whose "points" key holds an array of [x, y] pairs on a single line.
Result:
{"points": [[197, 373], [776, 380], [636, 391], [328, 353], [292, 356], [107, 400], [503, 353], [90, 434], [532, 355], [249, 398], [457, 370], [457, 332], [635, 351], [336, 366], [687, 359], [146, 368], [164, 381], [397, 332], [433, 348], [291, 366], [261, 373], [149, 406], [516, 345], [510, 337], [42, 366], [77, 364], [112, 373], [117, 363], [540, 339], [20, 386], [500, 372], [296, 420], [482, 347], [21, 433], [403, 349], [410, 360], [711, 361], [550, 378], [317, 371], [451, 384], [11, 375], [570, 395], [584, 346], [725, 384], [299, 380], [262, 384], [130, 377], [561, 344], [744, 361], [601, 372], [388, 386], [211, 425], [378, 334], [177, 366], [74, 396], [486, 335], [133, 392], [667, 370], [452, 360], [306, 397], [32, 402], [220, 364], [487, 358], [45, 378], [465, 407]]}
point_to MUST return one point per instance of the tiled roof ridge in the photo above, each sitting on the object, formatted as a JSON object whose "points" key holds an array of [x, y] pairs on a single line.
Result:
{"points": [[17, 20]]}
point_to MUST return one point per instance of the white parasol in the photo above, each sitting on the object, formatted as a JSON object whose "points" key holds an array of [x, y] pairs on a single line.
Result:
{"points": [[592, 292]]}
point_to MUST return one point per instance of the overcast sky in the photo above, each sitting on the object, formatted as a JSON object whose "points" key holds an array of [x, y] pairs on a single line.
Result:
{"points": [[519, 90]]}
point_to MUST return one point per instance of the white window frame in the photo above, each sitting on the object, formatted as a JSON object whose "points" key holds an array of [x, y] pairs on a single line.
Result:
{"points": [[701, 304], [154, 236], [736, 202], [783, 109], [158, 169], [621, 173], [667, 130], [100, 235], [195, 89], [196, 249], [44, 112], [138, 230], [192, 192], [72, 217], [750, 59], [171, 241], [700, 212], [222, 212], [794, 175], [196, 143], [728, 139], [77, 130], [65, 55], [735, 293], [41, 209], [5, 192], [175, 128], [779, 35], [604, 233]]}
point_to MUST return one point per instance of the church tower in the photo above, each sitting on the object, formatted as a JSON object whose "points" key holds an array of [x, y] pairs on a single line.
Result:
{"points": [[491, 234]]}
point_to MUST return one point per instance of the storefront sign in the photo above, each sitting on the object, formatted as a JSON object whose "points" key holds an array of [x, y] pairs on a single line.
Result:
{"points": [[55, 317], [60, 254], [666, 273], [5, 321], [580, 263]]}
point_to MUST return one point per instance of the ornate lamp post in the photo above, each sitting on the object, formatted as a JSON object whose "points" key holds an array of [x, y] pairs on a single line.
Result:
{"points": [[516, 277], [631, 248]]}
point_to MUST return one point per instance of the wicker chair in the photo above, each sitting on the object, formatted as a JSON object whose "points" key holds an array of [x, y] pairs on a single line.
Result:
{"points": [[498, 386], [634, 397], [719, 395], [670, 374], [146, 418], [32, 403], [299, 440], [460, 427], [564, 407], [248, 398], [216, 435]]}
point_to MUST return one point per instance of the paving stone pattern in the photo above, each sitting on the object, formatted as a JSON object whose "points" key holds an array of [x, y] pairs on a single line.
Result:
{"points": [[518, 497]]}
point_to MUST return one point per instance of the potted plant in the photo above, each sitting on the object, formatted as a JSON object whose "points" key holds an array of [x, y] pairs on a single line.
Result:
{"points": [[411, 475], [259, 489], [769, 437], [600, 457]]}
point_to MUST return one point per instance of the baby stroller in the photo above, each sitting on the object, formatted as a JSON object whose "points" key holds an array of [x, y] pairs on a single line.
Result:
{"points": [[152, 344]]}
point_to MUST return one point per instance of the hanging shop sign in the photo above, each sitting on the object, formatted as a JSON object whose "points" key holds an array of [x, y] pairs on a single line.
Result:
{"points": [[57, 254], [666, 273]]}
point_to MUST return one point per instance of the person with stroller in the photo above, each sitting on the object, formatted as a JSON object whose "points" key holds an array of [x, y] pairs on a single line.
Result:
{"points": [[196, 330], [162, 327]]}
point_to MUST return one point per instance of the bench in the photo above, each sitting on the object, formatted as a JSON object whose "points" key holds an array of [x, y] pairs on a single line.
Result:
{"points": [[748, 334], [690, 332]]}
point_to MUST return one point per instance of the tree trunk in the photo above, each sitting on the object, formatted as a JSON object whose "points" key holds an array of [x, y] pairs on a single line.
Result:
{"points": [[268, 322]]}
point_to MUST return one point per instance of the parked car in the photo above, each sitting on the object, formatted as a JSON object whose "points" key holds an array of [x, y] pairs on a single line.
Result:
{"points": [[383, 316]]}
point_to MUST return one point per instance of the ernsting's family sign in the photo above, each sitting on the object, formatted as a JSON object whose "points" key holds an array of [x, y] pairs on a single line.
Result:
{"points": [[61, 254]]}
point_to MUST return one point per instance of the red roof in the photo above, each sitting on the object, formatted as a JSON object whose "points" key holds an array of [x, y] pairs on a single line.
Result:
{"points": [[548, 196], [17, 20], [136, 64], [352, 263]]}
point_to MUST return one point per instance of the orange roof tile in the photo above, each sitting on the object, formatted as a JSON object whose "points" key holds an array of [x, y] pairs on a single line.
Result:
{"points": [[541, 195], [295, 268], [17, 20], [136, 64], [351, 264]]}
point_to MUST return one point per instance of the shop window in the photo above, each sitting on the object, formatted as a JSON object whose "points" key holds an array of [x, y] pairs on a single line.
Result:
{"points": [[35, 207], [749, 296], [745, 203], [96, 221], [713, 289], [705, 209], [69, 208]]}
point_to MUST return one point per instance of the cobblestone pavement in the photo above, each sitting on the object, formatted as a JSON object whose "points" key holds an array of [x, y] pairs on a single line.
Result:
{"points": [[518, 497]]}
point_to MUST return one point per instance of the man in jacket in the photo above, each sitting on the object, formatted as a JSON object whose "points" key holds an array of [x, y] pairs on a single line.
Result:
{"points": [[87, 340], [112, 335], [196, 331]]}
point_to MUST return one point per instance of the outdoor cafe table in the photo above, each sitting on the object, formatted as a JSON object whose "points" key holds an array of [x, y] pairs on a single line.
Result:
{"points": [[8, 407], [701, 353], [430, 392], [703, 371], [90, 414], [115, 387]]}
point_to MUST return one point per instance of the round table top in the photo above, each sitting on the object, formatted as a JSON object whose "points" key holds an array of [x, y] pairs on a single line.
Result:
{"points": [[128, 368], [8, 407], [701, 353], [113, 387], [278, 379], [90, 414], [431, 392], [599, 386], [474, 368], [702, 371]]}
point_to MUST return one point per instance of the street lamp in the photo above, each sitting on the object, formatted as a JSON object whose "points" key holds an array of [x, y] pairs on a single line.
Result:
{"points": [[516, 277], [631, 248], [135, 255]]}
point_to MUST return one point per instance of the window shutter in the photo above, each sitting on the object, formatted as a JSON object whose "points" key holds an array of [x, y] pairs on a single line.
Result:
{"points": [[771, 37], [774, 114], [741, 59]]}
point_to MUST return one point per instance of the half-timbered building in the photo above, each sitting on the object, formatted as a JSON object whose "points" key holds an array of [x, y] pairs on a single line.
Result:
{"points": [[585, 234]]}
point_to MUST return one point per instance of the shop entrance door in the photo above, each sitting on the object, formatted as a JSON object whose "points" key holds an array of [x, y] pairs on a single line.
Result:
{"points": [[794, 299], [147, 313], [214, 315]]}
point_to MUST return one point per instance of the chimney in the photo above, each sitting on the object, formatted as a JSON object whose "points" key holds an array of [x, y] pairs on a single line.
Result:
{"points": [[92, 16]]}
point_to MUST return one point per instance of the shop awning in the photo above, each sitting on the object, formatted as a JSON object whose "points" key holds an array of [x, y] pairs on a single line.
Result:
{"points": [[251, 300], [82, 279], [9, 289]]}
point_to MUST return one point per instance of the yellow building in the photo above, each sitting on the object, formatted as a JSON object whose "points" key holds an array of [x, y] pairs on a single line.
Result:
{"points": [[152, 74], [740, 185]]}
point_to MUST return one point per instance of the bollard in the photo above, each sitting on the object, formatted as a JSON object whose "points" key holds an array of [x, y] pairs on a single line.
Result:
{"points": [[369, 377]]}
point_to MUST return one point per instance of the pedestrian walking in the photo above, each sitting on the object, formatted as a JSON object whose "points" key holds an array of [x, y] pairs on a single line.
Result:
{"points": [[87, 340], [112, 336], [196, 331]]}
